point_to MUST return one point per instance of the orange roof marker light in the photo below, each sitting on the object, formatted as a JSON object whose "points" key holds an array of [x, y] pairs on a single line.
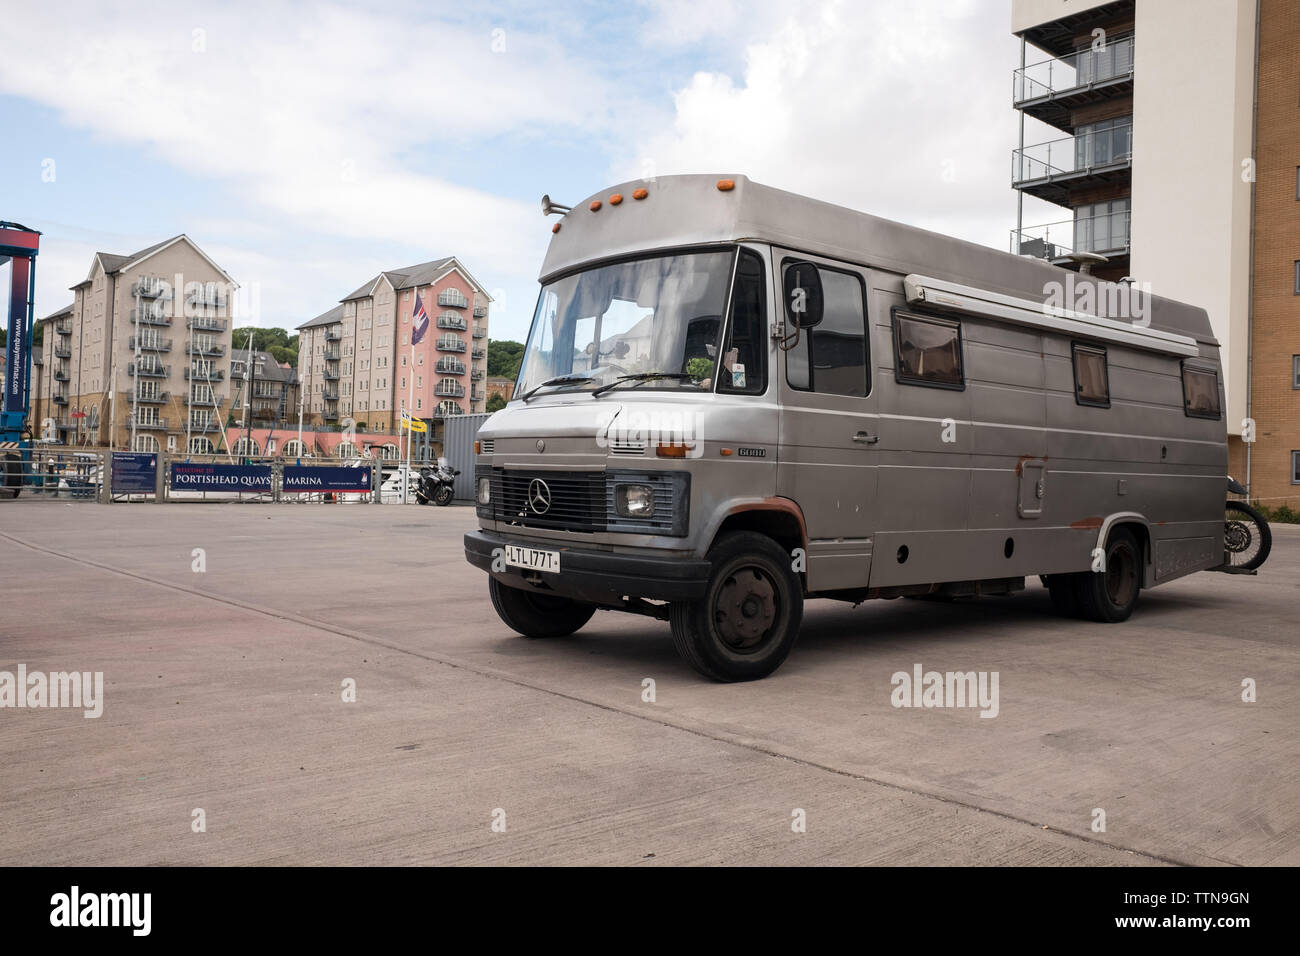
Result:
{"points": [[615, 199], [674, 449], [555, 228], [595, 205], [726, 185], [640, 194]]}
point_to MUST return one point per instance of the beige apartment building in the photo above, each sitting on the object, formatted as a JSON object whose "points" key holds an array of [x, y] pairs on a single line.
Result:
{"points": [[356, 360], [141, 358], [1166, 137]]}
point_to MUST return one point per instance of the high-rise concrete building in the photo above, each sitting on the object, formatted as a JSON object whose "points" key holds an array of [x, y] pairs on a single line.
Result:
{"points": [[1167, 135], [141, 356], [356, 362]]}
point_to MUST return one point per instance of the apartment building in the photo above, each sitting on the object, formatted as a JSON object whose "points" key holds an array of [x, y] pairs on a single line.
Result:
{"points": [[356, 362], [1165, 137], [141, 357], [270, 391]]}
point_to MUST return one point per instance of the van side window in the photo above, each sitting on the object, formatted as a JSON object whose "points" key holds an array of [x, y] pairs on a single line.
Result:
{"points": [[837, 346], [927, 351], [1091, 376], [744, 354], [1201, 392]]}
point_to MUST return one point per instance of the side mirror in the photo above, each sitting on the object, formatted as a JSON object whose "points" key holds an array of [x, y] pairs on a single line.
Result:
{"points": [[803, 295]]}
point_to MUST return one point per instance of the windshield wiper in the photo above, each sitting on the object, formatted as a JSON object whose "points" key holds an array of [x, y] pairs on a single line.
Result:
{"points": [[642, 377], [558, 380]]}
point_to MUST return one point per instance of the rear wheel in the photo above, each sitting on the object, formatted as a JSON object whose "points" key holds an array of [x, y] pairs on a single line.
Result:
{"points": [[1247, 538], [747, 622], [1110, 595], [536, 614]]}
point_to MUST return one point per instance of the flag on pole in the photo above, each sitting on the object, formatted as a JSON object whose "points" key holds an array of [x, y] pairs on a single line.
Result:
{"points": [[419, 321]]}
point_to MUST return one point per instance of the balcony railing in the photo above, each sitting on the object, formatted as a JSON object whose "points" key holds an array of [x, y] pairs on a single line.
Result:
{"points": [[205, 348], [60, 398], [149, 343], [63, 328], [452, 320], [205, 375], [1087, 69], [453, 298], [207, 323], [448, 388], [479, 353], [204, 424], [147, 370], [480, 311], [331, 395], [332, 355], [1073, 156], [206, 401], [62, 351], [331, 376], [480, 332], [145, 421], [449, 367], [152, 398], [151, 287], [476, 375], [476, 396], [144, 316], [451, 345], [210, 295], [1105, 235], [61, 375], [333, 335], [447, 409]]}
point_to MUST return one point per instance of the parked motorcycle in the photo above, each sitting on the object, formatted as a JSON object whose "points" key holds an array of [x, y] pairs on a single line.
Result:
{"points": [[436, 485], [1247, 539]]}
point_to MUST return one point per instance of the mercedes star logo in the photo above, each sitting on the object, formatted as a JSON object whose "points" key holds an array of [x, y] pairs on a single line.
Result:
{"points": [[541, 446], [539, 496]]}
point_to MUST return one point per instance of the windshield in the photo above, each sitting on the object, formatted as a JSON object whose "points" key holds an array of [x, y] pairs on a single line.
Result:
{"points": [[656, 316]]}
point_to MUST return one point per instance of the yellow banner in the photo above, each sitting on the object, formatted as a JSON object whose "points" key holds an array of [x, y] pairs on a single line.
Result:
{"points": [[414, 424]]}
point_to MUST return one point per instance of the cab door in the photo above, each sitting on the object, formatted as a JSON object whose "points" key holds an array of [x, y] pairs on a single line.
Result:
{"points": [[829, 428]]}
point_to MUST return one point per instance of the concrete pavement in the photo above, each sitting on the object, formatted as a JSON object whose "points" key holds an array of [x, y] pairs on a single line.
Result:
{"points": [[223, 693]]}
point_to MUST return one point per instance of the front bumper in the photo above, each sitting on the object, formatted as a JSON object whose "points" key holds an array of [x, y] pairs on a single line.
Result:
{"points": [[599, 577]]}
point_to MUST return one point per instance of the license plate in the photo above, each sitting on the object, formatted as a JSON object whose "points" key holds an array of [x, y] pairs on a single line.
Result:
{"points": [[518, 556]]}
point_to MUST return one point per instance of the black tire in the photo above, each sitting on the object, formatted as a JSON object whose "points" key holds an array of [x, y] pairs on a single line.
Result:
{"points": [[442, 497], [1109, 596], [1064, 591], [1246, 535], [747, 622], [535, 614]]}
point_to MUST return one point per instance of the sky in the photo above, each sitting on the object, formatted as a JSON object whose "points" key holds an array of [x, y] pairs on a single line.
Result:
{"points": [[307, 146]]}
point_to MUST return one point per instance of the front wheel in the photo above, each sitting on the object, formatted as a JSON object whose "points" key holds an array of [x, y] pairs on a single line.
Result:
{"points": [[747, 622], [537, 614], [1247, 538], [442, 497], [1109, 595]]}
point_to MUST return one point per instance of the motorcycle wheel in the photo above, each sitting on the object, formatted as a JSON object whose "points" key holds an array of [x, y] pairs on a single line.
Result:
{"points": [[1247, 538], [442, 496]]}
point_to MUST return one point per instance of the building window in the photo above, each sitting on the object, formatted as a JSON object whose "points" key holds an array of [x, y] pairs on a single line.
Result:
{"points": [[927, 351], [1101, 226], [1295, 371], [1091, 376], [1297, 182], [1295, 467], [1200, 392], [1297, 277]]}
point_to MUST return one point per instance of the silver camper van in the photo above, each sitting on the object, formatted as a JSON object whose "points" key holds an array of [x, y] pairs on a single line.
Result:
{"points": [[734, 399]]}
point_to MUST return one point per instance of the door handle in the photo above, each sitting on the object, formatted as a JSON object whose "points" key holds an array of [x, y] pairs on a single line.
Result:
{"points": [[865, 439]]}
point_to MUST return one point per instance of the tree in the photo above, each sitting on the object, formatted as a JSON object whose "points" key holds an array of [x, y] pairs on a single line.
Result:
{"points": [[495, 402], [503, 358]]}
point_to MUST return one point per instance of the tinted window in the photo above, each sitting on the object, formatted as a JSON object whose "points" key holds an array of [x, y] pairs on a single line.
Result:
{"points": [[1091, 378], [744, 355], [1200, 392], [927, 351], [837, 347]]}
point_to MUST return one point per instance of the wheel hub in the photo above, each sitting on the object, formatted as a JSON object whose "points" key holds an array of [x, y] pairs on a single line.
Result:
{"points": [[745, 609], [1236, 536]]}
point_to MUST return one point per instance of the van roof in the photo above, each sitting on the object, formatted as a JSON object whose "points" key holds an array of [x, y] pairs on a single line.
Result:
{"points": [[692, 210]]}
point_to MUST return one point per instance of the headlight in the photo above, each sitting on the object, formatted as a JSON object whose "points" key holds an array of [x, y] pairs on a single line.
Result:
{"points": [[484, 490], [634, 501]]}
